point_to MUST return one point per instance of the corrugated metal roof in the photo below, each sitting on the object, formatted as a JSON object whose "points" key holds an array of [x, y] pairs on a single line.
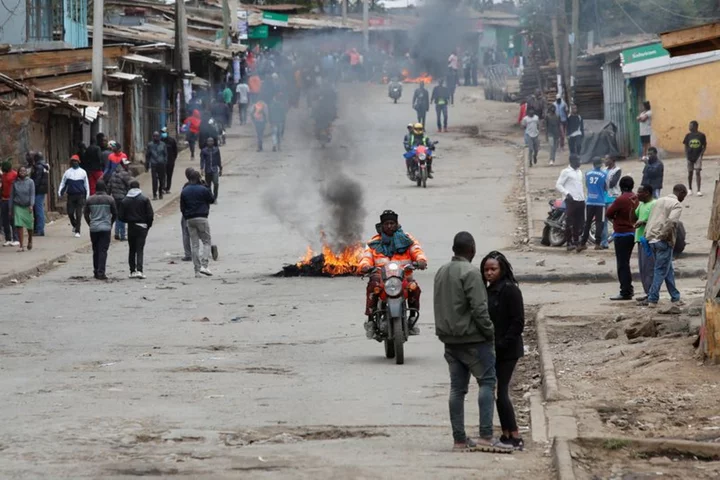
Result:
{"points": [[129, 77], [141, 59]]}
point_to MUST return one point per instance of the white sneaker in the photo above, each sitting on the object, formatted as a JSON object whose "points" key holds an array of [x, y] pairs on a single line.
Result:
{"points": [[15, 244], [206, 271], [77, 235], [140, 275], [7, 244], [699, 194], [689, 193], [132, 275]]}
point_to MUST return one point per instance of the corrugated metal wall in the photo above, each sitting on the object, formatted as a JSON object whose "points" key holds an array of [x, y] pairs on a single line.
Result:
{"points": [[76, 32], [615, 104], [114, 126]]}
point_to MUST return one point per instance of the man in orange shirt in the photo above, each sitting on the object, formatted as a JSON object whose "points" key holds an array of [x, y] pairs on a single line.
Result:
{"points": [[390, 244], [255, 85], [9, 175]]}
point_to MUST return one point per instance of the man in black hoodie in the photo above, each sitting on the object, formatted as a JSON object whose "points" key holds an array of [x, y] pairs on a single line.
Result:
{"points": [[136, 210], [172, 153], [92, 161], [39, 173]]}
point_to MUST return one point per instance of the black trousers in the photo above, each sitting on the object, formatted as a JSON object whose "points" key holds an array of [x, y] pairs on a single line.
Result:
{"points": [[575, 212], [503, 371], [136, 237], [575, 144], [75, 204], [158, 179], [169, 169], [100, 245], [594, 213], [421, 116], [623, 251]]}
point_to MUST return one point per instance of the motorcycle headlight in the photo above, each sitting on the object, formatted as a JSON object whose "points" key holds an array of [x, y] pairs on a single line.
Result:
{"points": [[422, 156], [393, 286]]}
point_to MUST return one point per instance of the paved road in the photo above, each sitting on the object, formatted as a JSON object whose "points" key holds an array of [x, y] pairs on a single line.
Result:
{"points": [[119, 379]]}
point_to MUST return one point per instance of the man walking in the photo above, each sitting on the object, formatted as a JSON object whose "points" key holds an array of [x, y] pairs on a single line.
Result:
{"points": [[462, 323], [92, 161], [531, 122], [622, 214], [576, 131], [553, 132], [661, 233], [156, 159], [119, 186], [654, 172], [441, 97], [187, 257], [278, 113], [172, 154], [646, 260], [228, 100], [195, 201], [570, 186], [100, 213], [260, 118], [242, 92], [695, 144], [596, 183], [136, 210], [211, 165], [76, 184], [40, 175], [421, 103]]}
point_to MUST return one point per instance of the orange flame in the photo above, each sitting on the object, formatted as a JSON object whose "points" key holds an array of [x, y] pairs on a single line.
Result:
{"points": [[424, 77], [336, 263]]}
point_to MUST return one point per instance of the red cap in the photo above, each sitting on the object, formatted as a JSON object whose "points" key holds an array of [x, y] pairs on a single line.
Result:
{"points": [[75, 157]]}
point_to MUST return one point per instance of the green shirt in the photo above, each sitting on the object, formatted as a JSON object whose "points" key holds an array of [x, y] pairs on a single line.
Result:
{"points": [[227, 95], [642, 212]]}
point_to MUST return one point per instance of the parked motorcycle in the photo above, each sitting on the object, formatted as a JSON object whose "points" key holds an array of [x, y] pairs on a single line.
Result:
{"points": [[393, 316], [421, 158], [554, 230], [395, 90]]}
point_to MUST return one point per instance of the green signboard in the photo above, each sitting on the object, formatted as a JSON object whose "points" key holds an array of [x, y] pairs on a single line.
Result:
{"points": [[646, 52], [259, 32], [275, 19]]}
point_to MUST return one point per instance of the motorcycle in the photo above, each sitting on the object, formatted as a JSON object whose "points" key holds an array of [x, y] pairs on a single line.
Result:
{"points": [[554, 231], [421, 156], [395, 90], [393, 316]]}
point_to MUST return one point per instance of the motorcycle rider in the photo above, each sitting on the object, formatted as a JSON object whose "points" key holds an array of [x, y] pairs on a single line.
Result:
{"points": [[416, 138], [390, 244], [406, 139]]}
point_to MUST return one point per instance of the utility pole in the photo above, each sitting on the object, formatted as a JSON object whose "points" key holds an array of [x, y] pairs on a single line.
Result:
{"points": [[575, 45], [226, 22], [557, 47], [182, 53], [366, 25], [97, 59], [344, 11]]}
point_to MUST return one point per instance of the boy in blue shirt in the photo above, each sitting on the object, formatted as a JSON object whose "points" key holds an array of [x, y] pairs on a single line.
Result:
{"points": [[596, 184]]}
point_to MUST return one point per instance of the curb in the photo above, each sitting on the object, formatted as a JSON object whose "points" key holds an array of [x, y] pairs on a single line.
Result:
{"points": [[39, 269], [706, 450], [596, 277], [550, 388], [562, 460], [528, 203]]}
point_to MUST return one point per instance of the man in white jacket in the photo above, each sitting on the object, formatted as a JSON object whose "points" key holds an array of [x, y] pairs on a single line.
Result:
{"points": [[570, 184], [75, 184]]}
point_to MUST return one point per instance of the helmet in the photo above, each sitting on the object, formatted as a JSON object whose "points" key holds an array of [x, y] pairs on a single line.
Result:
{"points": [[113, 144], [418, 128]]}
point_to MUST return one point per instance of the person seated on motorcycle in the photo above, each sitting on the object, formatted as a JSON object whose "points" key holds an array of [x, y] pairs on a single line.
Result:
{"points": [[417, 138], [391, 244], [406, 139]]}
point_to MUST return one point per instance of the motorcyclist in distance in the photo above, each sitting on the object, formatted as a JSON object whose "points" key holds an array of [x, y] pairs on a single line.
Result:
{"points": [[390, 244], [416, 138]]}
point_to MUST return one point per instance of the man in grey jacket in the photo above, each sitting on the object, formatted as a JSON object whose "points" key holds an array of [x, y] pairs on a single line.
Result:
{"points": [[156, 158], [462, 323], [100, 213]]}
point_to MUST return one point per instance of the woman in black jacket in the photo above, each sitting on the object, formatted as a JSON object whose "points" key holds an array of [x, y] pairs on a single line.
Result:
{"points": [[505, 304]]}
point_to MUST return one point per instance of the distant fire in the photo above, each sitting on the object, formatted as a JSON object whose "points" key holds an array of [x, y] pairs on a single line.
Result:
{"points": [[326, 263], [424, 77]]}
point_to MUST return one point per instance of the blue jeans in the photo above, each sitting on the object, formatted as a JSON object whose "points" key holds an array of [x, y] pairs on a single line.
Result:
{"points": [[7, 227], [477, 359], [604, 236], [39, 214], [441, 111], [664, 272], [656, 192], [120, 229]]}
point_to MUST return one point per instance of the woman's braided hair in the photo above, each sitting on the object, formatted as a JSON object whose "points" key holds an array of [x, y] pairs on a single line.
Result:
{"points": [[506, 270]]}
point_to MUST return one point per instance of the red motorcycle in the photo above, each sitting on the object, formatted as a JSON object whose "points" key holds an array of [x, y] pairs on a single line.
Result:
{"points": [[421, 160]]}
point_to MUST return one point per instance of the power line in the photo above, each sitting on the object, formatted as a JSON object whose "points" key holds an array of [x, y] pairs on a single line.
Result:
{"points": [[629, 17]]}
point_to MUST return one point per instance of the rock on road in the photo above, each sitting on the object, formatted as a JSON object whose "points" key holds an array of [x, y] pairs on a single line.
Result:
{"points": [[127, 378]]}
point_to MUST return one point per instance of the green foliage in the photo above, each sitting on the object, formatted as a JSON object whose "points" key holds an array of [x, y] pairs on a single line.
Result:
{"points": [[615, 444]]}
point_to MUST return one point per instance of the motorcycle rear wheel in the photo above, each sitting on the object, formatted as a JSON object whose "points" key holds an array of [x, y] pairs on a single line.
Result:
{"points": [[553, 236], [399, 341], [389, 349]]}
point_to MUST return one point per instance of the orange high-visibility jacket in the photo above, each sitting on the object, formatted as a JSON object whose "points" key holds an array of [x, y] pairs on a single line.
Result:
{"points": [[373, 258]]}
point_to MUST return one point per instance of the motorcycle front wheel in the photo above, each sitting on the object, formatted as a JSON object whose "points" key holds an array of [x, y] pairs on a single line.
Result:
{"points": [[389, 349], [399, 341], [424, 178]]}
